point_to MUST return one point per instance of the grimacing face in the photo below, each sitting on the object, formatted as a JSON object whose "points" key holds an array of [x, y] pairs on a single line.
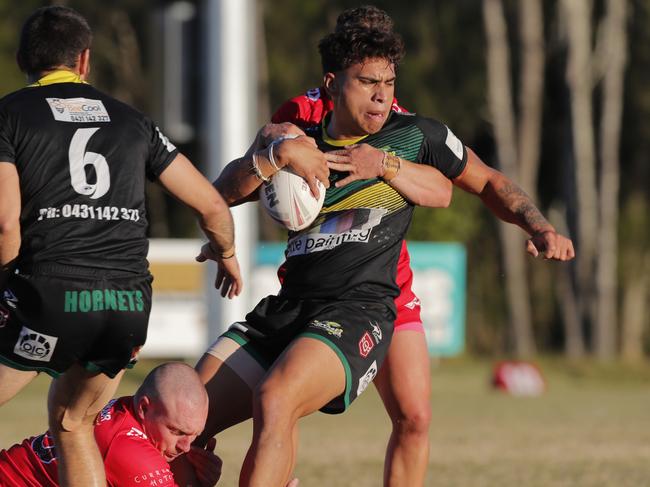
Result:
{"points": [[171, 427], [362, 95]]}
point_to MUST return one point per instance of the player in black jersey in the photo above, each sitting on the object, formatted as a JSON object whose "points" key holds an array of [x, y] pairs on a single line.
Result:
{"points": [[76, 290], [321, 340]]}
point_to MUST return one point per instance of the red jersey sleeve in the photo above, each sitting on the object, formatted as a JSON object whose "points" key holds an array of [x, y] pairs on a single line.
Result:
{"points": [[133, 461], [304, 110]]}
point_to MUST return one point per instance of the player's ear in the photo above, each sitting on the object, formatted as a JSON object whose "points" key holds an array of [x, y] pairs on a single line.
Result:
{"points": [[84, 64], [142, 406], [331, 84]]}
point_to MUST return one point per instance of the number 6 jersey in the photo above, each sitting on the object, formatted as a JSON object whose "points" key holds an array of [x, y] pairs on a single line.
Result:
{"points": [[82, 158]]}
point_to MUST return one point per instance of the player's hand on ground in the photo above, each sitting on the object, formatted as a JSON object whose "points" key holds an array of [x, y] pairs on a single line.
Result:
{"points": [[361, 161], [207, 465], [305, 159], [274, 131], [229, 279], [551, 245]]}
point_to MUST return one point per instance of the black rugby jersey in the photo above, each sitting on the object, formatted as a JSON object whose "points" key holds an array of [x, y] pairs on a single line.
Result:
{"points": [[82, 158], [352, 248]]}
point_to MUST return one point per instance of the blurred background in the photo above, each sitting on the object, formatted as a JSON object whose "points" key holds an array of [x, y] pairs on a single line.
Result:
{"points": [[554, 93]]}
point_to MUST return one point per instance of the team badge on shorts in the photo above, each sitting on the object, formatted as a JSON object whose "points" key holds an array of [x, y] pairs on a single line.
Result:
{"points": [[376, 332], [331, 327], [33, 345], [367, 378], [366, 344]]}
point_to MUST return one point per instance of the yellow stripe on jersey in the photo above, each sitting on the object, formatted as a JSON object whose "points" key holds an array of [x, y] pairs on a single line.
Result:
{"points": [[59, 76], [379, 195], [341, 142]]}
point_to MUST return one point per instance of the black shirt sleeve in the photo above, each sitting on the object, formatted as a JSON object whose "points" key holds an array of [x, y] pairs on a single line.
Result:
{"points": [[161, 151], [7, 150], [441, 148]]}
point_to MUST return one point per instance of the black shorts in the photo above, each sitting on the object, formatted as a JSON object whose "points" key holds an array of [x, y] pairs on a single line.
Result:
{"points": [[59, 316], [358, 332]]}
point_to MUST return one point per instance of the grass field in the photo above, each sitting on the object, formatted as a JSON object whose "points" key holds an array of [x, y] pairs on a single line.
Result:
{"points": [[592, 428]]}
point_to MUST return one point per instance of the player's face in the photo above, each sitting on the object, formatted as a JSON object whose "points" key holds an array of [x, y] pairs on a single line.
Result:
{"points": [[362, 95], [172, 429]]}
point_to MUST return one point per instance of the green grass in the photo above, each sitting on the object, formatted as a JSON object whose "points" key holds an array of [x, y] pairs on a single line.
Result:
{"points": [[591, 428]]}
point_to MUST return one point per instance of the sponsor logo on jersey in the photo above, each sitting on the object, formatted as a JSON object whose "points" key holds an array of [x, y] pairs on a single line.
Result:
{"points": [[78, 110], [43, 447], [454, 144], [313, 94], [376, 332], [366, 344], [107, 413], [10, 299], [136, 433], [331, 327], [162, 476], [367, 378], [415, 302], [33, 345], [102, 299], [354, 225]]}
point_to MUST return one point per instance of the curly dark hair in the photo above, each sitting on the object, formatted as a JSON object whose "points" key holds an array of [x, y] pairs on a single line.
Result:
{"points": [[366, 16], [341, 49], [52, 36]]}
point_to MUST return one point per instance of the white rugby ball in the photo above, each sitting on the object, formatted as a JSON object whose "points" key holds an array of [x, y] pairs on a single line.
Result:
{"points": [[288, 199]]}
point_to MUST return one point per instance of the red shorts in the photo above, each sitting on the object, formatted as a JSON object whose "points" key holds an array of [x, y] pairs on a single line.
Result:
{"points": [[407, 303]]}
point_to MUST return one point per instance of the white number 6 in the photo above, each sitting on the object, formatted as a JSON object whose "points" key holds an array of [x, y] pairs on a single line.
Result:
{"points": [[79, 159]]}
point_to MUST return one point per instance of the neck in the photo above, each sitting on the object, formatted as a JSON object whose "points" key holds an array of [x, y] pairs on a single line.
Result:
{"points": [[337, 131], [33, 78]]}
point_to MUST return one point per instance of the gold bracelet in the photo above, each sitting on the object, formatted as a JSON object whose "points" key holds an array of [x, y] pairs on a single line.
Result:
{"points": [[391, 164]]}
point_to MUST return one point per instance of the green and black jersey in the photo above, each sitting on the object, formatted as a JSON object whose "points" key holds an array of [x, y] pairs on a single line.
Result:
{"points": [[82, 158], [352, 248]]}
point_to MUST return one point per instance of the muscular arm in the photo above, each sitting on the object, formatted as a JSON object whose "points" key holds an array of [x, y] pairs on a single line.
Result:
{"points": [[9, 219], [238, 182], [421, 184], [511, 204], [189, 186], [502, 196]]}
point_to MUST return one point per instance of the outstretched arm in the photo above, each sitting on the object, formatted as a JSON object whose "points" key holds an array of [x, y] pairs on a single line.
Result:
{"points": [[189, 186], [511, 204]]}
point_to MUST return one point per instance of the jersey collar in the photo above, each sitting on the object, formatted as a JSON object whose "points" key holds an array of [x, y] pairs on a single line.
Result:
{"points": [[59, 76], [337, 142]]}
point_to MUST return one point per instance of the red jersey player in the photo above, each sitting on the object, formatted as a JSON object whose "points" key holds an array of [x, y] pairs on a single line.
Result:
{"points": [[137, 436]]}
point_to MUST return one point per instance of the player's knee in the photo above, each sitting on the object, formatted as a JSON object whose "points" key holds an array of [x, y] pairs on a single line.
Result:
{"points": [[414, 420]]}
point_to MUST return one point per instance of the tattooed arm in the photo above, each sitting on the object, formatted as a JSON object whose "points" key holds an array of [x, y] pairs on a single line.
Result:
{"points": [[511, 204]]}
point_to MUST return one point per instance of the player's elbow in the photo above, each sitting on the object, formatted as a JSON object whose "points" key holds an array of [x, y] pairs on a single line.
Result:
{"points": [[9, 225], [214, 208]]}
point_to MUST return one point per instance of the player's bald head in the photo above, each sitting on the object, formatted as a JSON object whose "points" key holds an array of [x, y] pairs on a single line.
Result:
{"points": [[174, 381]]}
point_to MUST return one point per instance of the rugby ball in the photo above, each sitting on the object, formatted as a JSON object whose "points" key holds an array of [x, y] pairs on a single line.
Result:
{"points": [[288, 200]]}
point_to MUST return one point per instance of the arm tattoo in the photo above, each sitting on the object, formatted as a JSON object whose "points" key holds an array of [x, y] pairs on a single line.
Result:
{"points": [[522, 208]]}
